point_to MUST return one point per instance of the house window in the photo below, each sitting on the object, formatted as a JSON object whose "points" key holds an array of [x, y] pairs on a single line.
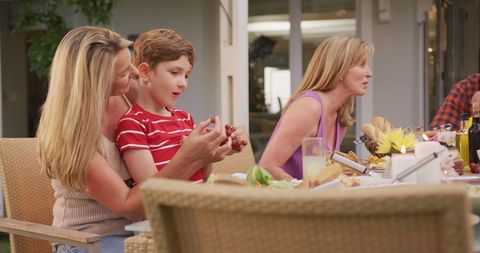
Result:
{"points": [[278, 30]]}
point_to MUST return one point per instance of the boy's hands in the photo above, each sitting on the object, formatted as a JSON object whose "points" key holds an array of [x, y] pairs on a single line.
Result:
{"points": [[203, 143], [212, 144], [234, 134], [225, 146]]}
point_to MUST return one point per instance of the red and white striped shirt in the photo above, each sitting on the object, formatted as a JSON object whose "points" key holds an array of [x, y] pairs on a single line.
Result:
{"points": [[161, 135]]}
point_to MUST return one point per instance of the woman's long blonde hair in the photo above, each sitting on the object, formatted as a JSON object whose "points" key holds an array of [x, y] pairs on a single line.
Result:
{"points": [[329, 64], [81, 79]]}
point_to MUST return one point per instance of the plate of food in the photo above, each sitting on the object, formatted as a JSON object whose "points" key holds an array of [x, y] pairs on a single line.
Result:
{"points": [[358, 182]]}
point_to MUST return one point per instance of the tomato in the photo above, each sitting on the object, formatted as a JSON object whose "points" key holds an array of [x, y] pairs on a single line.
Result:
{"points": [[474, 168]]}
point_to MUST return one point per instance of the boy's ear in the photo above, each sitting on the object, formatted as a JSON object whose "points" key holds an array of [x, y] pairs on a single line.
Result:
{"points": [[143, 70]]}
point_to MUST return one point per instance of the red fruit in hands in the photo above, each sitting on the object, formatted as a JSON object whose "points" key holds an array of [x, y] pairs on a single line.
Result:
{"points": [[237, 143], [229, 130], [475, 168]]}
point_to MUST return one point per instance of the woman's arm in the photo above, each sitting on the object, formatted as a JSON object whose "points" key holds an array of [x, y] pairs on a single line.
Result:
{"points": [[108, 188], [140, 164], [198, 150], [299, 121], [206, 171], [204, 145], [141, 167]]}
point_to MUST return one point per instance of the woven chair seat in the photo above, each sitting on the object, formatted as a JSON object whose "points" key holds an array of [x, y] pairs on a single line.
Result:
{"points": [[29, 202], [141, 243], [204, 218]]}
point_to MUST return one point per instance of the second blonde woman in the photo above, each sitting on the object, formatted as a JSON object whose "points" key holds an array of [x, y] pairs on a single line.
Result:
{"points": [[322, 106]]}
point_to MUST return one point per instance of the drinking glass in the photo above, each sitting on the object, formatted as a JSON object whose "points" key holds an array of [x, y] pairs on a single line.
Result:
{"points": [[417, 130], [313, 157]]}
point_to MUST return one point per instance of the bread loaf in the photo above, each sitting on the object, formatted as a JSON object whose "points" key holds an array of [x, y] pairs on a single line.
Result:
{"points": [[369, 130], [379, 122], [378, 133], [387, 126], [352, 156], [328, 174]]}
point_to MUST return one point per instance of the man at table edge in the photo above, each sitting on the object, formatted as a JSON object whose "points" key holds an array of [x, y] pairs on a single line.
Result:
{"points": [[457, 102]]}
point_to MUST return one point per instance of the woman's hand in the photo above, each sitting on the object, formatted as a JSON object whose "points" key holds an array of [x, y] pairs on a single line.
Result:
{"points": [[279, 174]]}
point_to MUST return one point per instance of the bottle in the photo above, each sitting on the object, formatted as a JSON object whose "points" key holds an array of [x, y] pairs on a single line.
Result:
{"points": [[474, 134], [461, 140]]}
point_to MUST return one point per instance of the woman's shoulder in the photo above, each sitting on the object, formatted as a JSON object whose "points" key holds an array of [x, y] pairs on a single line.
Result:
{"points": [[305, 106], [312, 94], [311, 98], [135, 116], [135, 111]]}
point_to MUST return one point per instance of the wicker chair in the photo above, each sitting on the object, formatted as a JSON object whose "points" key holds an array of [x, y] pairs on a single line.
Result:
{"points": [[29, 202], [203, 218], [239, 162]]}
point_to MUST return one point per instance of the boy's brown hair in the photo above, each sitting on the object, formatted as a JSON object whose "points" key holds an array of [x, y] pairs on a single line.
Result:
{"points": [[160, 45]]}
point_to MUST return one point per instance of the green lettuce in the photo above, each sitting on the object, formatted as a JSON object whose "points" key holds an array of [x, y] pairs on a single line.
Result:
{"points": [[259, 175]]}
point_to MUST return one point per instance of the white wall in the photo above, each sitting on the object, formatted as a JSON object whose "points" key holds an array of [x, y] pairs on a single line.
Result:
{"points": [[396, 67], [395, 85], [197, 21]]}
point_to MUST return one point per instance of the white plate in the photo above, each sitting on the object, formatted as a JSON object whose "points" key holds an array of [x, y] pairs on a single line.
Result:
{"points": [[328, 185], [374, 181], [471, 179], [365, 182], [243, 176], [240, 175]]}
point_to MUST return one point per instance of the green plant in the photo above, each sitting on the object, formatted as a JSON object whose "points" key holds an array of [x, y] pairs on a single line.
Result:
{"points": [[48, 27]]}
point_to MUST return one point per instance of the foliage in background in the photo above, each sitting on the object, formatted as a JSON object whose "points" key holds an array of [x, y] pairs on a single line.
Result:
{"points": [[49, 27], [260, 48]]}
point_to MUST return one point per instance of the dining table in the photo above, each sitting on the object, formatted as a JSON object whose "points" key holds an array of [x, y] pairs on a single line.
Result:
{"points": [[142, 230]]}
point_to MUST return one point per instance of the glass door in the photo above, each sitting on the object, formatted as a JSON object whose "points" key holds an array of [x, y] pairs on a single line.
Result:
{"points": [[449, 50], [273, 35]]}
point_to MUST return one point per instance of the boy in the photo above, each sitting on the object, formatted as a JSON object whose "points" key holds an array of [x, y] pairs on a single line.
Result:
{"points": [[151, 132]]}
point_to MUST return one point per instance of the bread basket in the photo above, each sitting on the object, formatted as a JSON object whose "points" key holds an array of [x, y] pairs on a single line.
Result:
{"points": [[373, 132], [372, 148]]}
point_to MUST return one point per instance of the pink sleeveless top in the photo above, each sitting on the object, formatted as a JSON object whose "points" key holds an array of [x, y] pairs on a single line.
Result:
{"points": [[293, 166]]}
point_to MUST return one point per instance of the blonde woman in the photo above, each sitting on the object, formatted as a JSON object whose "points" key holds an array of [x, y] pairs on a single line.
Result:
{"points": [[90, 71], [322, 106]]}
